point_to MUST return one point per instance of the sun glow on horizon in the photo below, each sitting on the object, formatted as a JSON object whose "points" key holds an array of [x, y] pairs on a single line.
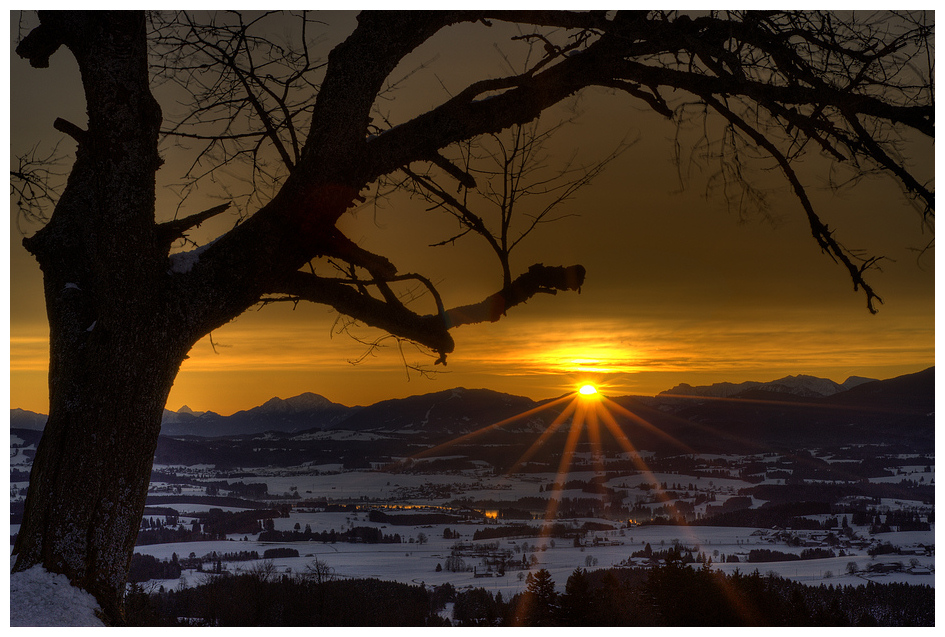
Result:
{"points": [[587, 390]]}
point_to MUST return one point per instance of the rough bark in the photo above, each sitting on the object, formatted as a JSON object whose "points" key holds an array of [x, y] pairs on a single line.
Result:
{"points": [[92, 468], [114, 352]]}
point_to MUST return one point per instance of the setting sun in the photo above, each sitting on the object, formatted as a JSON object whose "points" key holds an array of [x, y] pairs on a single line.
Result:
{"points": [[588, 390]]}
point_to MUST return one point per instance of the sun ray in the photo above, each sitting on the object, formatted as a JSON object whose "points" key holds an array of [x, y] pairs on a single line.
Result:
{"points": [[593, 436], [761, 448], [567, 453], [611, 405], [472, 434], [635, 456], [619, 435], [551, 429], [661, 495], [597, 451], [638, 461], [588, 410]]}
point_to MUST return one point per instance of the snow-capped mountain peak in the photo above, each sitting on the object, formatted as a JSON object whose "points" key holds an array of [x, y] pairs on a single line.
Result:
{"points": [[303, 402]]}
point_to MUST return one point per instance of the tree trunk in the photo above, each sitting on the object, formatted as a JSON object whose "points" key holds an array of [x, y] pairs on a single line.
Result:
{"points": [[117, 333], [91, 472]]}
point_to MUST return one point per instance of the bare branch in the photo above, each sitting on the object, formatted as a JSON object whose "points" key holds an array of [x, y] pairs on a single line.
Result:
{"points": [[820, 231], [749, 56], [171, 231], [35, 183], [463, 177], [430, 330], [911, 184], [342, 247], [70, 129], [539, 279]]}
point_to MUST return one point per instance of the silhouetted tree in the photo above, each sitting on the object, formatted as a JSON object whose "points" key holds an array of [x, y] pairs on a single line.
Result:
{"points": [[476, 607], [618, 604], [577, 606], [318, 571], [538, 604], [123, 313]]}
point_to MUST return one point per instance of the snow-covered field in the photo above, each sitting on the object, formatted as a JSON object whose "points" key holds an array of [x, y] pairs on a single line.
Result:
{"points": [[37, 596], [413, 562], [351, 485], [416, 561]]}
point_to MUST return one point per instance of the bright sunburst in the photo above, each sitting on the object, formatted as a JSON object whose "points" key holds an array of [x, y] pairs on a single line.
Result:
{"points": [[588, 390]]}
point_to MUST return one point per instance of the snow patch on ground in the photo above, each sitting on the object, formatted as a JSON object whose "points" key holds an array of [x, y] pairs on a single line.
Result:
{"points": [[41, 598]]}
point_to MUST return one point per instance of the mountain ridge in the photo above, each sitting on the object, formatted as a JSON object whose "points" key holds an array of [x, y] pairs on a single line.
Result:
{"points": [[799, 385], [460, 410]]}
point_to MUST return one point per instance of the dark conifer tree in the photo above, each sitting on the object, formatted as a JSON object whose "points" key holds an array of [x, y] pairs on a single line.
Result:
{"points": [[577, 606], [538, 605]]}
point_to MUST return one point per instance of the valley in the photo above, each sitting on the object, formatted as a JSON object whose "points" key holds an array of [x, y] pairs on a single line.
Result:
{"points": [[835, 490]]}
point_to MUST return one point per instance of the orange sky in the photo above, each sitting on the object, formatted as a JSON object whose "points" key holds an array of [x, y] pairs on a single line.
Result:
{"points": [[679, 288]]}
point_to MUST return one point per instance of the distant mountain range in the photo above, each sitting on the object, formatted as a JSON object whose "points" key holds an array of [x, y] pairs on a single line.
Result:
{"points": [[898, 411], [790, 410], [801, 385], [23, 419], [299, 413]]}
